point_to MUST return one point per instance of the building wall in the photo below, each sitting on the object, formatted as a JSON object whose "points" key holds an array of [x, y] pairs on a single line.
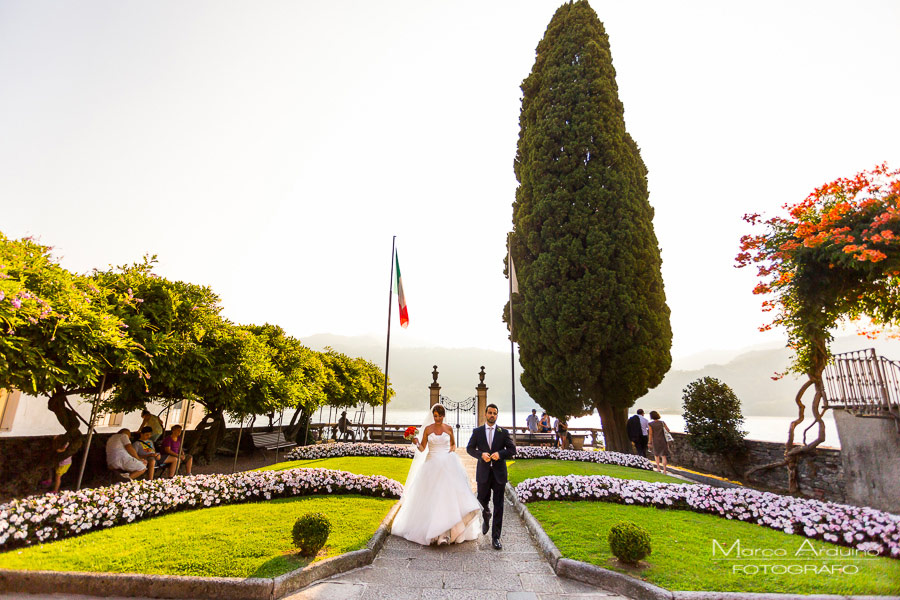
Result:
{"points": [[31, 417]]}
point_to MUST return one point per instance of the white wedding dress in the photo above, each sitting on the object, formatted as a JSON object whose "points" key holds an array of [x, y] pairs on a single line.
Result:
{"points": [[438, 504]]}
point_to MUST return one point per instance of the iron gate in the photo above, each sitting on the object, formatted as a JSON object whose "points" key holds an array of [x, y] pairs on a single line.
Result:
{"points": [[465, 419]]}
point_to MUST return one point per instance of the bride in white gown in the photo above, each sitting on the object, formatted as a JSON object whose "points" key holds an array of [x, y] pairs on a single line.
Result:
{"points": [[437, 504]]}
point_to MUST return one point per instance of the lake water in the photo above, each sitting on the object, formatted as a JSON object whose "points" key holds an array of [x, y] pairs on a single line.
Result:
{"points": [[766, 429]]}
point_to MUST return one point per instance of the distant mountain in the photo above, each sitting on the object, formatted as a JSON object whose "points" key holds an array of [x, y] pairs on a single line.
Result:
{"points": [[749, 373], [410, 370]]}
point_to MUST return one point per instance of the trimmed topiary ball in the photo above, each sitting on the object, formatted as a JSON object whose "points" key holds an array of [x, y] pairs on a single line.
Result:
{"points": [[311, 532], [629, 542]]}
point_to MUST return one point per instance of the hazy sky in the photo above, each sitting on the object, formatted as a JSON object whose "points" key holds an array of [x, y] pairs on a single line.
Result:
{"points": [[271, 149]]}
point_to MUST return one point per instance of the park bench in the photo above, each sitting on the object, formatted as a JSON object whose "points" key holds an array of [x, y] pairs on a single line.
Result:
{"points": [[391, 435], [271, 441]]}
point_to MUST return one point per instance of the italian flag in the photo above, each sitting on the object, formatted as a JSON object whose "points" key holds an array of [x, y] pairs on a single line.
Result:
{"points": [[401, 298]]}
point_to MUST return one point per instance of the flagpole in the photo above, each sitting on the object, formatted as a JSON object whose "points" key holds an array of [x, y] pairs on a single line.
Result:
{"points": [[387, 351], [512, 351]]}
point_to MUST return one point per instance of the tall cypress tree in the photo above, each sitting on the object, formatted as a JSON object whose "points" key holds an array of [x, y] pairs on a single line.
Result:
{"points": [[591, 317]]}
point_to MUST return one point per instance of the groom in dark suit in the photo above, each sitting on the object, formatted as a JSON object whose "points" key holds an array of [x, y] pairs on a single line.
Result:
{"points": [[491, 445]]}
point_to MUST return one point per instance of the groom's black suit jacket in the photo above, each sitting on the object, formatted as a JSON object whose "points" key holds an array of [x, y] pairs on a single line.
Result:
{"points": [[503, 445]]}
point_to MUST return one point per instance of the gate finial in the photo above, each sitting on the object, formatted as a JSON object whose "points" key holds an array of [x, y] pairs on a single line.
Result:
{"points": [[434, 390]]}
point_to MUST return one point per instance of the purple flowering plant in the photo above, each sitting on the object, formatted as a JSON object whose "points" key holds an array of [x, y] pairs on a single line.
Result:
{"points": [[336, 449], [863, 528], [47, 517], [602, 457]]}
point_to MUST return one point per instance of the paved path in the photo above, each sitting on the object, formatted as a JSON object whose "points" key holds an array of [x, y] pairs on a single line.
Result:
{"points": [[404, 570]]}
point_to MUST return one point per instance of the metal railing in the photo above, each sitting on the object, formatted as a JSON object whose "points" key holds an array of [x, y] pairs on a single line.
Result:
{"points": [[863, 383]]}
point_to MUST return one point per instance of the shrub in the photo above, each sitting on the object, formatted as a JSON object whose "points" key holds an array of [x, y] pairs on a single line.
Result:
{"points": [[712, 417], [311, 532], [629, 542]]}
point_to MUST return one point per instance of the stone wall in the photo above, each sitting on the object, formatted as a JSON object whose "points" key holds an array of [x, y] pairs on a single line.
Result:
{"points": [[821, 475], [18, 453]]}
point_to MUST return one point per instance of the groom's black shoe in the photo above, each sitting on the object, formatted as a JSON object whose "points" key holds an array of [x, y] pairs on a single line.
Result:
{"points": [[486, 523], [496, 544]]}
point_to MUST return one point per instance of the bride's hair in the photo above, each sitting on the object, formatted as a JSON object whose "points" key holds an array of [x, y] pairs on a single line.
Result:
{"points": [[437, 408]]}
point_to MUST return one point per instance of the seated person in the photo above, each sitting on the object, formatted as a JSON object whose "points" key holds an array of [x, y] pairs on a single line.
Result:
{"points": [[344, 427], [147, 451], [121, 456], [171, 451]]}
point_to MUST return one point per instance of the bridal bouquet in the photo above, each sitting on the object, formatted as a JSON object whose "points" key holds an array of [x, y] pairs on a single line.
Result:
{"points": [[410, 433]]}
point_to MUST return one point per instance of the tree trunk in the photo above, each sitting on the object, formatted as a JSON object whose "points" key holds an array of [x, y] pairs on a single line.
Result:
{"points": [[614, 428], [207, 436], [296, 414], [294, 431]]}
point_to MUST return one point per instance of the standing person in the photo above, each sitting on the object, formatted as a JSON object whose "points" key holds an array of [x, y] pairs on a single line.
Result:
{"points": [[638, 432], [491, 445], [532, 421], [562, 434], [148, 419], [438, 504], [121, 456], [171, 451], [658, 443], [556, 431], [61, 466], [545, 423], [147, 451]]}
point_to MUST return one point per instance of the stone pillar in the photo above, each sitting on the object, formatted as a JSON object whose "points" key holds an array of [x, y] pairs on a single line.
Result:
{"points": [[434, 396], [481, 394]]}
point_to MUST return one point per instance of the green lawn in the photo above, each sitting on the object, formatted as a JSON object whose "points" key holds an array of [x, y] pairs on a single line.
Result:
{"points": [[683, 559], [241, 540], [393, 468], [520, 470]]}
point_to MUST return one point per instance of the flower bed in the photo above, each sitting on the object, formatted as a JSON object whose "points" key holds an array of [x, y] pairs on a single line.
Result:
{"points": [[335, 449], [603, 457], [48, 517], [866, 529]]}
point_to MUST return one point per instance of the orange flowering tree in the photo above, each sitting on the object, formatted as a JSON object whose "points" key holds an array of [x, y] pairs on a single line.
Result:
{"points": [[835, 257]]}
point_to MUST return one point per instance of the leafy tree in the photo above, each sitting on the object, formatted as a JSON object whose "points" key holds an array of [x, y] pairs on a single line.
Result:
{"points": [[170, 320], [835, 256], [193, 354], [303, 376], [353, 381], [61, 336], [712, 415], [591, 317]]}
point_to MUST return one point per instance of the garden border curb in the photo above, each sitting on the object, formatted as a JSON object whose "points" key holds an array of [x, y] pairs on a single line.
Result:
{"points": [[635, 588], [177, 586]]}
